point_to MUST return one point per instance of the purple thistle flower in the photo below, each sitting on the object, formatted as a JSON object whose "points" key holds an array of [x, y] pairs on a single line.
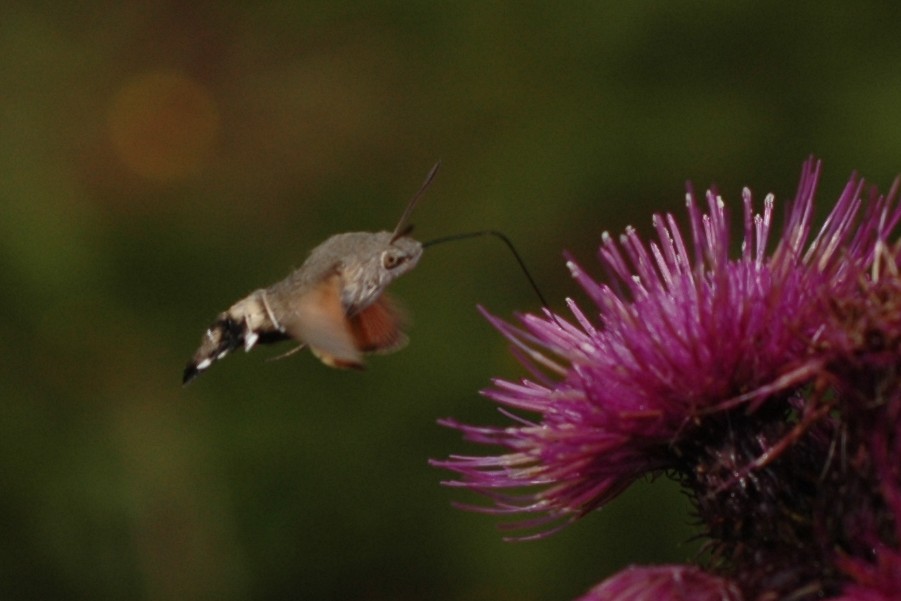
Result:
{"points": [[663, 582], [768, 385]]}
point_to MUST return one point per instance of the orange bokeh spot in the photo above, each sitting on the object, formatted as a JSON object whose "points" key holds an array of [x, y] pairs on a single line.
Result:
{"points": [[163, 125]]}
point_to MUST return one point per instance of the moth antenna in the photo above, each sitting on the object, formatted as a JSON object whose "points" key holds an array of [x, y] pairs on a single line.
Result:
{"points": [[510, 246], [402, 228]]}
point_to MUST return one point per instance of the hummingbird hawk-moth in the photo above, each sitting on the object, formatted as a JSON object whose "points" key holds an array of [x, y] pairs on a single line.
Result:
{"points": [[334, 303]]}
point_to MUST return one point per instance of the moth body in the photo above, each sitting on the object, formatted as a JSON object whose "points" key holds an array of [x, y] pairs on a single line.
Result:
{"points": [[334, 303]]}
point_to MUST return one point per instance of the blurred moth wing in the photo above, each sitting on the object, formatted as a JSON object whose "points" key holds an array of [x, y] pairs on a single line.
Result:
{"points": [[379, 328], [319, 320]]}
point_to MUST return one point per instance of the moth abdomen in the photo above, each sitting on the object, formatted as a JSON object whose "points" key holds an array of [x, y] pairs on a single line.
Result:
{"points": [[220, 339], [247, 323]]}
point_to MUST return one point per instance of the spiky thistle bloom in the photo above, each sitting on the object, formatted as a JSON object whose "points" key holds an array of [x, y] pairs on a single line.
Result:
{"points": [[768, 384]]}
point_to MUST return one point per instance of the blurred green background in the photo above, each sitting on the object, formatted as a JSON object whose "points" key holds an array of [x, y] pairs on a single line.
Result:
{"points": [[159, 160]]}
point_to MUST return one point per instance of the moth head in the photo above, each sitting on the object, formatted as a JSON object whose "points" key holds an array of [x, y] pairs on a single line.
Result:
{"points": [[400, 256], [368, 262]]}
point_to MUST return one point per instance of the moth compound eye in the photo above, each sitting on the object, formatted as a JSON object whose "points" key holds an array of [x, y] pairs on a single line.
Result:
{"points": [[390, 260]]}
